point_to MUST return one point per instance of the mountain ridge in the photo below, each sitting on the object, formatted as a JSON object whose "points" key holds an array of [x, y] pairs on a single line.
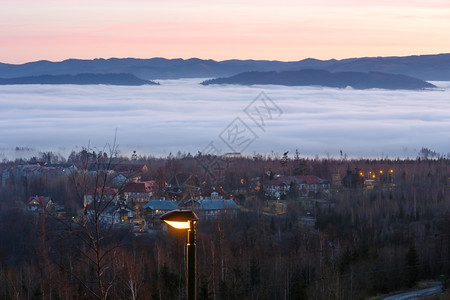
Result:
{"points": [[324, 78], [426, 67], [80, 79]]}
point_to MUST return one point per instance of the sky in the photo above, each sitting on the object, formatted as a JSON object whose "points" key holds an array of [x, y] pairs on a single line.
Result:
{"points": [[286, 30], [182, 115]]}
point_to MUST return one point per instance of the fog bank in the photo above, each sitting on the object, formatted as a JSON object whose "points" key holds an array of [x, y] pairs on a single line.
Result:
{"points": [[182, 115]]}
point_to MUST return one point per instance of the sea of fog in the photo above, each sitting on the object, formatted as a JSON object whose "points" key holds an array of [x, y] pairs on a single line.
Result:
{"points": [[182, 115]]}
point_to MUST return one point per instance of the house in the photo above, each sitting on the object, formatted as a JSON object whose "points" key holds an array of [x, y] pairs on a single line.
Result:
{"points": [[39, 203], [110, 213], [106, 194], [306, 186], [204, 207], [138, 193], [117, 179], [211, 207], [30, 170], [277, 188], [311, 185], [214, 193], [155, 208]]}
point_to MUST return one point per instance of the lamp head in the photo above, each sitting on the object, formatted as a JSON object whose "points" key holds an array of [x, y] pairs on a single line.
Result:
{"points": [[180, 219]]}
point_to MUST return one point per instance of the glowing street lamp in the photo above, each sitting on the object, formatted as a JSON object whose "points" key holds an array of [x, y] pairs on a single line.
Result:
{"points": [[186, 219]]}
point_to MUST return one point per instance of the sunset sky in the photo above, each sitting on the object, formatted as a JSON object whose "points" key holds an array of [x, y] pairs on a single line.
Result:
{"points": [[278, 30]]}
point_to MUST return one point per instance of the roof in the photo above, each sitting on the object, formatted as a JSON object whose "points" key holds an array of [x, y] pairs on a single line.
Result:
{"points": [[199, 204], [107, 207], [139, 187], [311, 179], [161, 204], [208, 204], [40, 201], [278, 182]]}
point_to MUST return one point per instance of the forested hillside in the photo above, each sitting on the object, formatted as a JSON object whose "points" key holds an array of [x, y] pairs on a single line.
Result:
{"points": [[385, 225]]}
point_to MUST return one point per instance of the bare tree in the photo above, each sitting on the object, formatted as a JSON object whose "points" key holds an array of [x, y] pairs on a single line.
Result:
{"points": [[92, 242]]}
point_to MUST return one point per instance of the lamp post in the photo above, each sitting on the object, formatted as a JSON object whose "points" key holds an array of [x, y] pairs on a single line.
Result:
{"points": [[186, 219]]}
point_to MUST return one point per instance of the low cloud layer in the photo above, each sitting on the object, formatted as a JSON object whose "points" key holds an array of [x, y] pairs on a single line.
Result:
{"points": [[181, 115]]}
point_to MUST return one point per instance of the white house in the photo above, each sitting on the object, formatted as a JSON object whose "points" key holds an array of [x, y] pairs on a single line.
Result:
{"points": [[110, 213], [307, 186]]}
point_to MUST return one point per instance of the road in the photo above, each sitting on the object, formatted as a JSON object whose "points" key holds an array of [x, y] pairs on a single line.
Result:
{"points": [[435, 288]]}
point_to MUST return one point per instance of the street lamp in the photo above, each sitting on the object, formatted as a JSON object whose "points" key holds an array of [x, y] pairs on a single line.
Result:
{"points": [[186, 219]]}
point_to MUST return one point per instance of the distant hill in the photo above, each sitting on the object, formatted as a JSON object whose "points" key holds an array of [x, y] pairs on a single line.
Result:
{"points": [[425, 67], [312, 77], [85, 78]]}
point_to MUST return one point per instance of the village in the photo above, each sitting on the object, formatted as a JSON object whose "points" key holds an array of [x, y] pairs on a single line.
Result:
{"points": [[125, 199], [324, 222]]}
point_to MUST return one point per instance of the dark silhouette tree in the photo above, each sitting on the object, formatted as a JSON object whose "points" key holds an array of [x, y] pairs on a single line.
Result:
{"points": [[204, 292], [412, 266]]}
